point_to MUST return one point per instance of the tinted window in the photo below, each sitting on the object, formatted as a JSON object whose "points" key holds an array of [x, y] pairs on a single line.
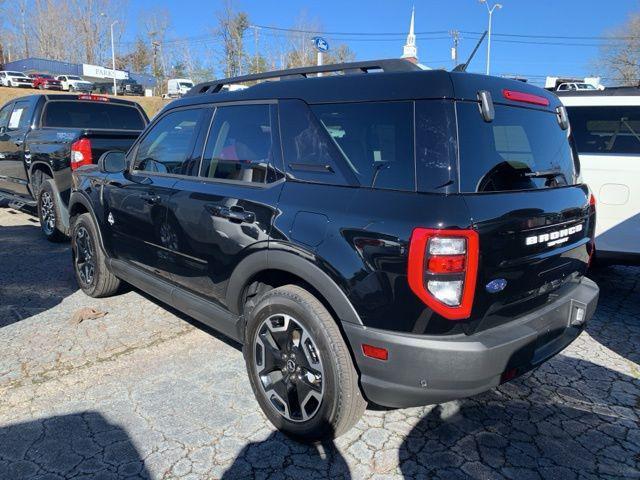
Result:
{"points": [[375, 139], [512, 151], [168, 145], [4, 115], [20, 116], [240, 144], [436, 145], [309, 153], [81, 114], [606, 129]]}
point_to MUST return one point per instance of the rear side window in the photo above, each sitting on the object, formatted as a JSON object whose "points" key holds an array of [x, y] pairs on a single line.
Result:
{"points": [[521, 149], [240, 144], [375, 140], [606, 129], [63, 114], [4, 115], [20, 116]]}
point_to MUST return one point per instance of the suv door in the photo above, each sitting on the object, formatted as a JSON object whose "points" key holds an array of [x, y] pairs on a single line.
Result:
{"points": [[136, 201], [12, 168], [226, 212]]}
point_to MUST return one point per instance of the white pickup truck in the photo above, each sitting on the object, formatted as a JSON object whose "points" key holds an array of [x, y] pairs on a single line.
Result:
{"points": [[74, 83]]}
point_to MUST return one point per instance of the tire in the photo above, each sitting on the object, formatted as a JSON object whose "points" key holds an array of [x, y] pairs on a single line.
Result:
{"points": [[322, 373], [49, 212], [9, 83], [89, 261], [40, 87], [72, 88]]}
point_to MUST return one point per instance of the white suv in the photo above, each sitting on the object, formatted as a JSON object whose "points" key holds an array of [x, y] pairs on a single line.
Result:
{"points": [[606, 128], [15, 79]]}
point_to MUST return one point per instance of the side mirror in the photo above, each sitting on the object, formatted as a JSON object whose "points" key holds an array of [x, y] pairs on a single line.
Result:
{"points": [[113, 161]]}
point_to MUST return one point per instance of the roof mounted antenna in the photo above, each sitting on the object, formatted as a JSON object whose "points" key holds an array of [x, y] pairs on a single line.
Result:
{"points": [[463, 66]]}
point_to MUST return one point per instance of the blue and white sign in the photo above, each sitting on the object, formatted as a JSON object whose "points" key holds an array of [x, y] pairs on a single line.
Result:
{"points": [[321, 44]]}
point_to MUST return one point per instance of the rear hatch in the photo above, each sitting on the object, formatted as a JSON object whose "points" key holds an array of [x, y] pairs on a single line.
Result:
{"points": [[518, 176]]}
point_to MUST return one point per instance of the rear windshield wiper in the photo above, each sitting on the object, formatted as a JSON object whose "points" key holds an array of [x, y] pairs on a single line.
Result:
{"points": [[545, 174]]}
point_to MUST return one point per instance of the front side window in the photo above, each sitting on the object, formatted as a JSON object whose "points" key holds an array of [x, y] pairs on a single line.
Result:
{"points": [[240, 144], [375, 140], [168, 146], [20, 116], [4, 115], [521, 149], [606, 129]]}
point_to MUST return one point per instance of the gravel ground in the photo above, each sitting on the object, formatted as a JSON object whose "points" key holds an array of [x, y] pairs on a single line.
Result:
{"points": [[143, 392]]}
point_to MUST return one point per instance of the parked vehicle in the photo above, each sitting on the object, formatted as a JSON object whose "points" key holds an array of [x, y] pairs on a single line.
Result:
{"points": [[15, 79], [403, 237], [576, 87], [606, 128], [123, 87], [44, 137], [177, 87], [74, 83], [44, 81]]}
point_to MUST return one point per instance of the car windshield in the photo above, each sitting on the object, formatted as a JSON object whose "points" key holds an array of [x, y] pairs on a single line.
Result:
{"points": [[72, 77], [585, 86], [606, 129], [16, 74], [45, 76], [74, 114], [186, 84]]}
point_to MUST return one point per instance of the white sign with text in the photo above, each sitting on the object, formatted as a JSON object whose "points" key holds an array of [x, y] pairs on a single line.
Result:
{"points": [[102, 72]]}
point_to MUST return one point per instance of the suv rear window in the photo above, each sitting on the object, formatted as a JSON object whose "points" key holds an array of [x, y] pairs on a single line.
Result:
{"points": [[505, 154], [73, 114], [606, 129]]}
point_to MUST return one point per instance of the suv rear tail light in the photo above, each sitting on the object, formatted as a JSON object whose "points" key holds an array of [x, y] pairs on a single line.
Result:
{"points": [[81, 153], [443, 268]]}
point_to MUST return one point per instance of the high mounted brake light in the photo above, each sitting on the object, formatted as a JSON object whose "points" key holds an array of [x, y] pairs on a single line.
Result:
{"points": [[95, 98], [516, 96], [443, 268], [81, 153]]}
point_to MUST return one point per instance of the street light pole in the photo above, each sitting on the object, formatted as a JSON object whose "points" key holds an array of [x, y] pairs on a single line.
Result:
{"points": [[490, 10], [113, 60]]}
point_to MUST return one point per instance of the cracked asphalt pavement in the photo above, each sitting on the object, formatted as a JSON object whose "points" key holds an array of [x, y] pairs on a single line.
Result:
{"points": [[145, 393]]}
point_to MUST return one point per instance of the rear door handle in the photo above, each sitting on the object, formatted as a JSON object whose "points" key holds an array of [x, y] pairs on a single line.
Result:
{"points": [[150, 198], [235, 213]]}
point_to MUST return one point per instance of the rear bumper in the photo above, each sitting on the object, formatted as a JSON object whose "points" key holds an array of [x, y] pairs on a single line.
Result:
{"points": [[425, 370]]}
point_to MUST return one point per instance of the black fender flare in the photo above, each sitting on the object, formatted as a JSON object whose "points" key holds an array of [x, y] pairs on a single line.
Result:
{"points": [[79, 198], [296, 265]]}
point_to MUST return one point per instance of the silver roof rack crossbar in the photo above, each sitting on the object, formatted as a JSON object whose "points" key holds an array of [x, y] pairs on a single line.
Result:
{"points": [[389, 65]]}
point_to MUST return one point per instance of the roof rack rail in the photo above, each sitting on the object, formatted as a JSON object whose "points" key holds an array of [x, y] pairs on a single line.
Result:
{"points": [[388, 65]]}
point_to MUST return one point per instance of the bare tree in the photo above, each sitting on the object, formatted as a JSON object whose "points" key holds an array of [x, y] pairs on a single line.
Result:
{"points": [[620, 57], [231, 29]]}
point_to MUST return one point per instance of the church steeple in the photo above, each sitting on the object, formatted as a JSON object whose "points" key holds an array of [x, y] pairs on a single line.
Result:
{"points": [[410, 51]]}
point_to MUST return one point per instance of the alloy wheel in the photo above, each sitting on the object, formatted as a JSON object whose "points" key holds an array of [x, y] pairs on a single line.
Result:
{"points": [[289, 367], [47, 213], [85, 262]]}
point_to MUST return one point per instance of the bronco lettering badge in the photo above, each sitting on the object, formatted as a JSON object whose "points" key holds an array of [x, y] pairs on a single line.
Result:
{"points": [[554, 238]]}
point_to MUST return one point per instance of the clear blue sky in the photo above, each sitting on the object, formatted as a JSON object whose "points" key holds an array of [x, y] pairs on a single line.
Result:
{"points": [[576, 18]]}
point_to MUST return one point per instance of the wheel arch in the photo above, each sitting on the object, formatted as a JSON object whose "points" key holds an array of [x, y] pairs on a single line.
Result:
{"points": [[79, 204], [287, 268]]}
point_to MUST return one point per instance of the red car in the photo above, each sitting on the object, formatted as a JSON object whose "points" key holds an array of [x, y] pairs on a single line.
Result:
{"points": [[44, 81]]}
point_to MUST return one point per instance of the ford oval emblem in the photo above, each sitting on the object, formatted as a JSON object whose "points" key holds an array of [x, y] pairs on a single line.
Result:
{"points": [[495, 286]]}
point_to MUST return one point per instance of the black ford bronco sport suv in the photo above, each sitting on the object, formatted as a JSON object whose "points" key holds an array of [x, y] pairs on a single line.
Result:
{"points": [[377, 233]]}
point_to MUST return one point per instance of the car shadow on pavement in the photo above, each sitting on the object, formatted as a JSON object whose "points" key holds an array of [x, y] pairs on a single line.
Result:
{"points": [[81, 445], [616, 324], [283, 457], [569, 419], [35, 275]]}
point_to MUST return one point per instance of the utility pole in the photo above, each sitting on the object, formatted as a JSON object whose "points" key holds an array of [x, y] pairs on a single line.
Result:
{"points": [[490, 10], [24, 30], [455, 35], [156, 73], [255, 49], [113, 60]]}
